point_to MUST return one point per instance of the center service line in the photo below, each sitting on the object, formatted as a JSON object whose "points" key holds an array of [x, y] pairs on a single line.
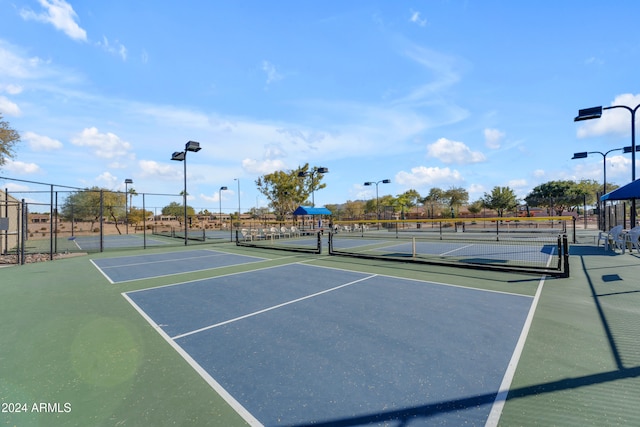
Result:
{"points": [[271, 308]]}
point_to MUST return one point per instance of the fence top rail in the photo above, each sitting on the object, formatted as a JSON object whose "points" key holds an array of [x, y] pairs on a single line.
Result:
{"points": [[463, 219]]}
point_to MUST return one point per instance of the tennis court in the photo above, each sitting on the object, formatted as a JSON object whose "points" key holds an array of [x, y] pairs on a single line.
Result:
{"points": [[232, 335], [123, 269], [300, 344]]}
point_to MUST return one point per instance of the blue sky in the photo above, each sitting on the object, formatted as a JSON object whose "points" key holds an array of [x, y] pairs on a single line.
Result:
{"points": [[472, 94]]}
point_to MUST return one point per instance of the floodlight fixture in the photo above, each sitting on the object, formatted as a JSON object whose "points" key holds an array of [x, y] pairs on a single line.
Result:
{"points": [[580, 155], [589, 113], [629, 149], [179, 156], [192, 146]]}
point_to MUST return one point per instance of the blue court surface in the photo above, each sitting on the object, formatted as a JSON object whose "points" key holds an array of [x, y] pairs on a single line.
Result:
{"points": [[123, 269], [92, 243], [301, 345]]}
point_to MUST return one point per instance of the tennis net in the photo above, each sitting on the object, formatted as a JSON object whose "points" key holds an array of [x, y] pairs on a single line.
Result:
{"points": [[283, 239], [535, 247]]}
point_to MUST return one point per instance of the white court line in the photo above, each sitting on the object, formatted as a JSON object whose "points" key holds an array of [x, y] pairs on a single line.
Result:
{"points": [[241, 410], [213, 255], [102, 272], [216, 277], [426, 282], [503, 391], [272, 308]]}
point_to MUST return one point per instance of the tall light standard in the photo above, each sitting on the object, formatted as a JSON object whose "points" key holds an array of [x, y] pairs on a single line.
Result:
{"points": [[181, 156], [126, 210], [238, 179], [585, 154], [312, 174], [223, 188], [384, 181], [596, 113]]}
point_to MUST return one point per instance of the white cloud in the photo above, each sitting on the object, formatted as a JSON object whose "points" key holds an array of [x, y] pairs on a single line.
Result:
{"points": [[116, 49], [539, 173], [40, 142], [417, 19], [517, 183], [215, 198], [9, 108], [106, 145], [153, 169], [272, 73], [262, 167], [109, 180], [493, 138], [11, 89], [448, 151], [616, 120], [423, 176], [61, 15], [21, 167]]}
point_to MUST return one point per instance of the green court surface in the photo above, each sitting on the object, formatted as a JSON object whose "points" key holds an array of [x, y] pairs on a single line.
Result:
{"points": [[73, 351]]}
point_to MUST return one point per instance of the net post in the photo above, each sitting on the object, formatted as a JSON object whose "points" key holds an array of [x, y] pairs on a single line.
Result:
{"points": [[319, 244], [413, 247], [565, 255]]}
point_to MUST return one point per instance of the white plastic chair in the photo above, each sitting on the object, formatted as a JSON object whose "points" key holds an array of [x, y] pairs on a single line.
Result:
{"points": [[612, 238], [633, 239]]}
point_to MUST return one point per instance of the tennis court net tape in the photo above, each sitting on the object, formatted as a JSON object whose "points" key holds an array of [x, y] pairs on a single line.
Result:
{"points": [[309, 243], [535, 256]]}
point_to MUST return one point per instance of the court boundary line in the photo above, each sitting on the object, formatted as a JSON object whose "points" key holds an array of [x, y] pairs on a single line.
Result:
{"points": [[215, 385], [214, 254], [505, 386], [258, 259], [101, 272], [215, 277], [275, 307], [420, 280]]}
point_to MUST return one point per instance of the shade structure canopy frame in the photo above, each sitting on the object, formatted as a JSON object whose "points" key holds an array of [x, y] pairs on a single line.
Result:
{"points": [[626, 192]]}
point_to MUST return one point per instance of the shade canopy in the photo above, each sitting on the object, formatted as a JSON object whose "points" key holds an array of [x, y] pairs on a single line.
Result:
{"points": [[626, 192], [309, 210]]}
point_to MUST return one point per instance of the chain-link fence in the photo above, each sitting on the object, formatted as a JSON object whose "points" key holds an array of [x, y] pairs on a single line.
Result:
{"points": [[58, 220]]}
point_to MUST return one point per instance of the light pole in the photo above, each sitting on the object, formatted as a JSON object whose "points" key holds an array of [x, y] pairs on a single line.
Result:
{"points": [[585, 154], [181, 156], [312, 174], [384, 181], [223, 188], [596, 113], [126, 210], [238, 179]]}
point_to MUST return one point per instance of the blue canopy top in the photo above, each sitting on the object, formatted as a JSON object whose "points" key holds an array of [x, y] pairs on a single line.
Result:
{"points": [[309, 210], [626, 192]]}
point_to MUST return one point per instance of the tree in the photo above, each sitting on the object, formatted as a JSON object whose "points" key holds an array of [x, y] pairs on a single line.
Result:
{"points": [[501, 199], [287, 190], [8, 139], [176, 209], [476, 207], [433, 199], [456, 196], [354, 209], [555, 195], [86, 205]]}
